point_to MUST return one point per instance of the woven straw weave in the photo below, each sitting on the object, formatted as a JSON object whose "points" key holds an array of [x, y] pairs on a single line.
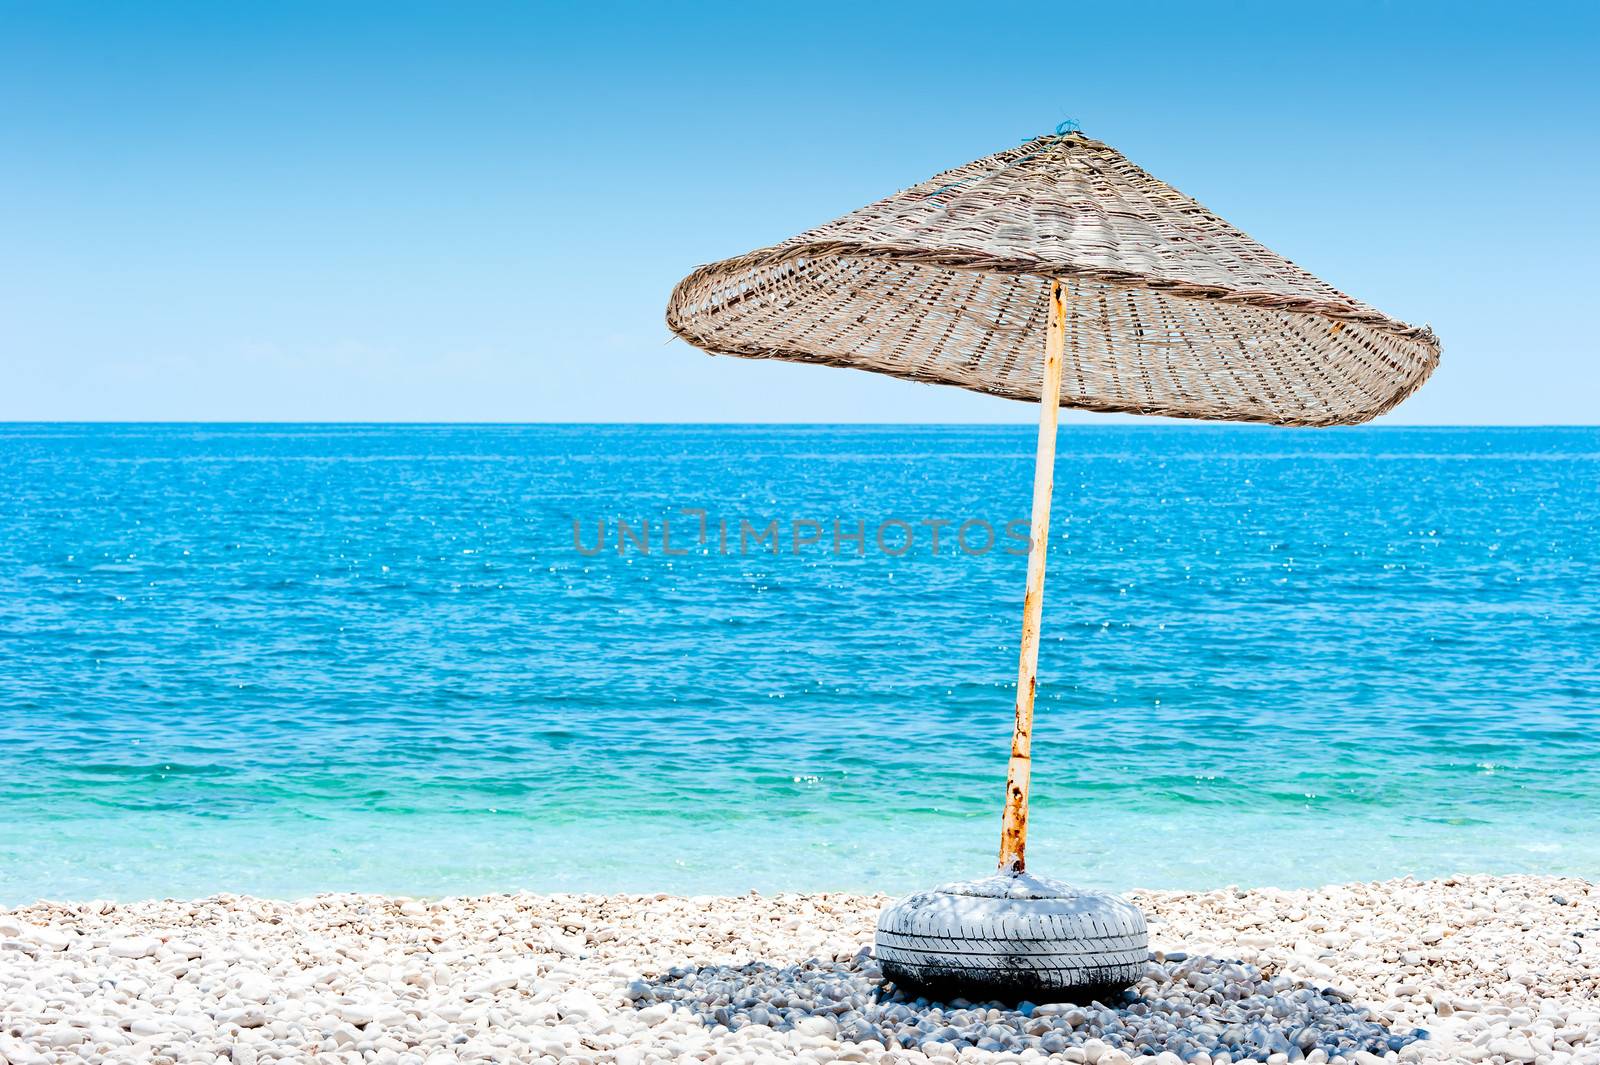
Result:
{"points": [[1170, 309]]}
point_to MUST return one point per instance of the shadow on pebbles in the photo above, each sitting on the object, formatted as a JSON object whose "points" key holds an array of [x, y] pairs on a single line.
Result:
{"points": [[1192, 1008]]}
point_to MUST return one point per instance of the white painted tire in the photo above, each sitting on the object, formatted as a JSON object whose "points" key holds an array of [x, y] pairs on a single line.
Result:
{"points": [[1012, 936]]}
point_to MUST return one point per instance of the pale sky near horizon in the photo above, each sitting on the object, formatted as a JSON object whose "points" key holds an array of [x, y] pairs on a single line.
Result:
{"points": [[475, 212]]}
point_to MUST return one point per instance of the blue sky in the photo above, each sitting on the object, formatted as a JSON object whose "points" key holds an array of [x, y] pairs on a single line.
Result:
{"points": [[475, 211]]}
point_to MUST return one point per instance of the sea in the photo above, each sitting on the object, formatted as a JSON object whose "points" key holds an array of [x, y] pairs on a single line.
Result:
{"points": [[448, 659]]}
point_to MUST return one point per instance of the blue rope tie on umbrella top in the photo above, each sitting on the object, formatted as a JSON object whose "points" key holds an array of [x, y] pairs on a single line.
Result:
{"points": [[1062, 129]]}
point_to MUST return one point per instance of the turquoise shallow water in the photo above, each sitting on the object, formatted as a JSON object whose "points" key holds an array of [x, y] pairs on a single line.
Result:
{"points": [[282, 659]]}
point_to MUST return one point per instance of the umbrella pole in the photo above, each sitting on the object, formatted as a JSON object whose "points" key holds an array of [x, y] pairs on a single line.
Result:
{"points": [[1014, 825]]}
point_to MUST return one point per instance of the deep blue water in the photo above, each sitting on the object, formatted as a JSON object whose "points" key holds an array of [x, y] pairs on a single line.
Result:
{"points": [[281, 659]]}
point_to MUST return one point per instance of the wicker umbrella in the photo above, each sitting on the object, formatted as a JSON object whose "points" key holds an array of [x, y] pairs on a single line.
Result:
{"points": [[1059, 271]]}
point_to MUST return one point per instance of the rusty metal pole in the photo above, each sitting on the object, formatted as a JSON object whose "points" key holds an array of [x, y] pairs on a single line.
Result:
{"points": [[1014, 826]]}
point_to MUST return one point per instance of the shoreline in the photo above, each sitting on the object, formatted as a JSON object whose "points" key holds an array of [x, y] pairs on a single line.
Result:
{"points": [[1494, 969]]}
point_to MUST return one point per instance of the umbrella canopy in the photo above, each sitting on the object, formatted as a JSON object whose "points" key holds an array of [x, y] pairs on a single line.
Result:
{"points": [[1168, 309]]}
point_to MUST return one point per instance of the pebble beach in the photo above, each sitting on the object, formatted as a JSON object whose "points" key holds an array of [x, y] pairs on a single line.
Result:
{"points": [[1476, 969]]}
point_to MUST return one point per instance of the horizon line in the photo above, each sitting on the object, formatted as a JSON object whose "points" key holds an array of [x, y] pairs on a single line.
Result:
{"points": [[1150, 424]]}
